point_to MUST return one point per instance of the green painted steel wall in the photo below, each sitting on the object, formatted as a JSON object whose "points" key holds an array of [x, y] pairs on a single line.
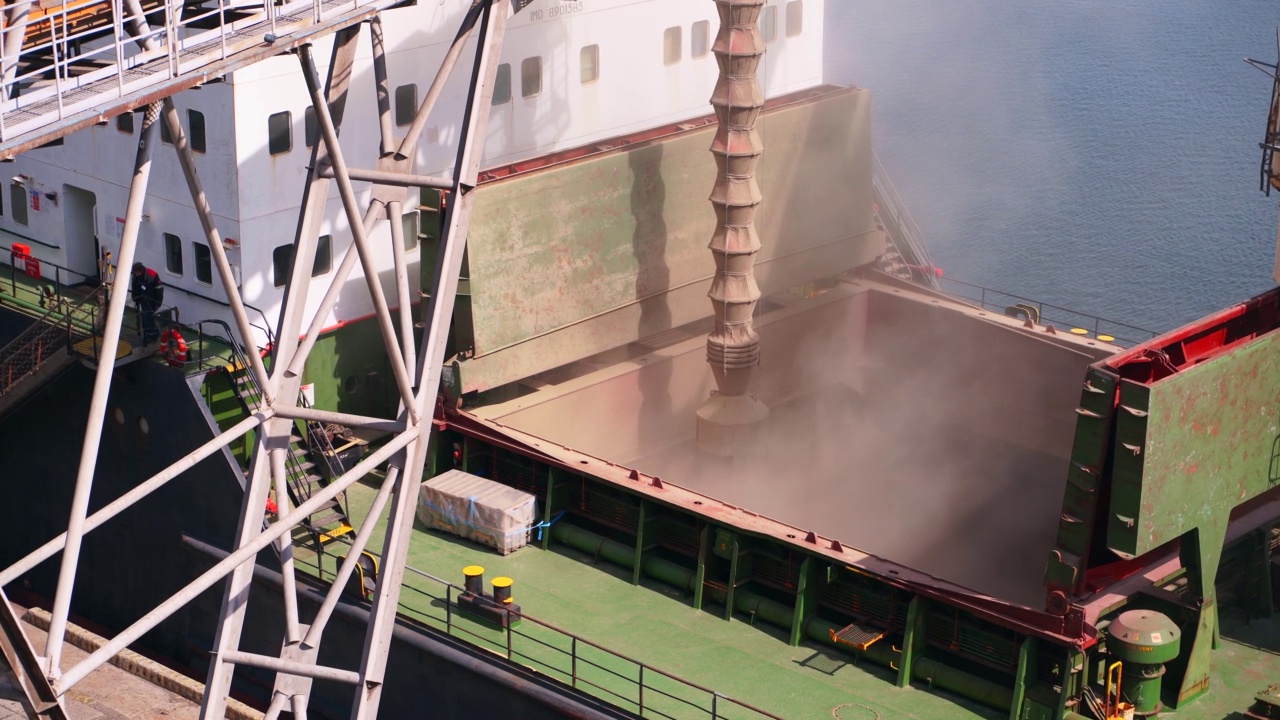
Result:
{"points": [[1203, 446], [350, 371], [614, 248], [618, 242]]}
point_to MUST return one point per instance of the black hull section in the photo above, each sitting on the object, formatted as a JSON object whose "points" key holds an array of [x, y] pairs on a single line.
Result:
{"points": [[139, 559]]}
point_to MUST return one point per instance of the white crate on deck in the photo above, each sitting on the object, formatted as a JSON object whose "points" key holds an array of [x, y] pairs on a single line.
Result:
{"points": [[481, 510]]}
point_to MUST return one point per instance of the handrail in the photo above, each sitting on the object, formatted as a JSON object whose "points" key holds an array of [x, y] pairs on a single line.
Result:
{"points": [[296, 473], [715, 702], [84, 54], [60, 287], [987, 299], [892, 207], [265, 327], [58, 274], [318, 439], [26, 353]]}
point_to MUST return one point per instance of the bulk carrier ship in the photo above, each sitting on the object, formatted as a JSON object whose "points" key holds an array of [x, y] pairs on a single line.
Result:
{"points": [[873, 486]]}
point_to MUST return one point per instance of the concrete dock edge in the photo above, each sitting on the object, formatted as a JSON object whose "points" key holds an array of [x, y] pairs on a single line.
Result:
{"points": [[149, 670]]}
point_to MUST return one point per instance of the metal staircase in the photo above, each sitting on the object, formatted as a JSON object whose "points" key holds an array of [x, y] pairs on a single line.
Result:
{"points": [[52, 344], [905, 256], [303, 460]]}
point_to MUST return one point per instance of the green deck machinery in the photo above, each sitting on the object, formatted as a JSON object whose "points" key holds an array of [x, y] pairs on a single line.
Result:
{"points": [[1143, 640]]}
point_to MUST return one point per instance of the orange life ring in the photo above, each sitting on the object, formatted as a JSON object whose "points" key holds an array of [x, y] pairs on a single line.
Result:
{"points": [[174, 347]]}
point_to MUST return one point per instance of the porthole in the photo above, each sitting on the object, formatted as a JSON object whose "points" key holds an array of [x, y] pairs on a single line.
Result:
{"points": [[118, 414], [349, 385], [144, 426]]}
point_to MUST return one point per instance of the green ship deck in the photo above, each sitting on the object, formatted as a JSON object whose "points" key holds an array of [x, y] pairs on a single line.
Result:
{"points": [[654, 624]]}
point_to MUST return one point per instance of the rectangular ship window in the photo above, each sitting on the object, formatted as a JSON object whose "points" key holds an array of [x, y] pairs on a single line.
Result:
{"points": [[280, 133], [406, 104], [769, 23], [671, 41], [531, 76], [589, 64], [410, 223], [324, 256], [700, 39], [204, 263], [18, 201], [173, 253], [795, 18], [281, 265], [195, 130], [310, 127], [124, 122], [502, 85]]}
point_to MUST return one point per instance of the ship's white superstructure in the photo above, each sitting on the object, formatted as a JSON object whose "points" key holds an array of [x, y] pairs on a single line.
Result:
{"points": [[573, 73]]}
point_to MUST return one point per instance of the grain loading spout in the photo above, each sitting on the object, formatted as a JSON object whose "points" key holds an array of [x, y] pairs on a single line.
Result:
{"points": [[729, 418]]}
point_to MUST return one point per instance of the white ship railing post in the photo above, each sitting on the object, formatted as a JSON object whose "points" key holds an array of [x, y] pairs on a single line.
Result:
{"points": [[16, 15], [98, 402], [117, 24]]}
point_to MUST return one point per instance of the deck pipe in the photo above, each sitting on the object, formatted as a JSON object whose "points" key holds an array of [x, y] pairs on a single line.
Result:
{"points": [[728, 419], [928, 670]]}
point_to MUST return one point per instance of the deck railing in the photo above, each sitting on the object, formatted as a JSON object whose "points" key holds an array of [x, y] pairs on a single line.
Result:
{"points": [[586, 666], [1063, 319], [26, 285], [56, 331], [906, 235], [83, 55]]}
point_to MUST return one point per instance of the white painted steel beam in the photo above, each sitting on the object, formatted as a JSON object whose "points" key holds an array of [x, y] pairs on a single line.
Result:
{"points": [[358, 236], [417, 371], [383, 177], [315, 672], [241, 557], [344, 419], [124, 502], [454, 239], [394, 211], [236, 595], [347, 569], [98, 401]]}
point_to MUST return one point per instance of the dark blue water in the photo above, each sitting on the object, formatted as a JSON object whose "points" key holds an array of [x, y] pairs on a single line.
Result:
{"points": [[1092, 154]]}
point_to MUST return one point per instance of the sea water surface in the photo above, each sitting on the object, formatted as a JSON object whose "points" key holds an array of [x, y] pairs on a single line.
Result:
{"points": [[1093, 154]]}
